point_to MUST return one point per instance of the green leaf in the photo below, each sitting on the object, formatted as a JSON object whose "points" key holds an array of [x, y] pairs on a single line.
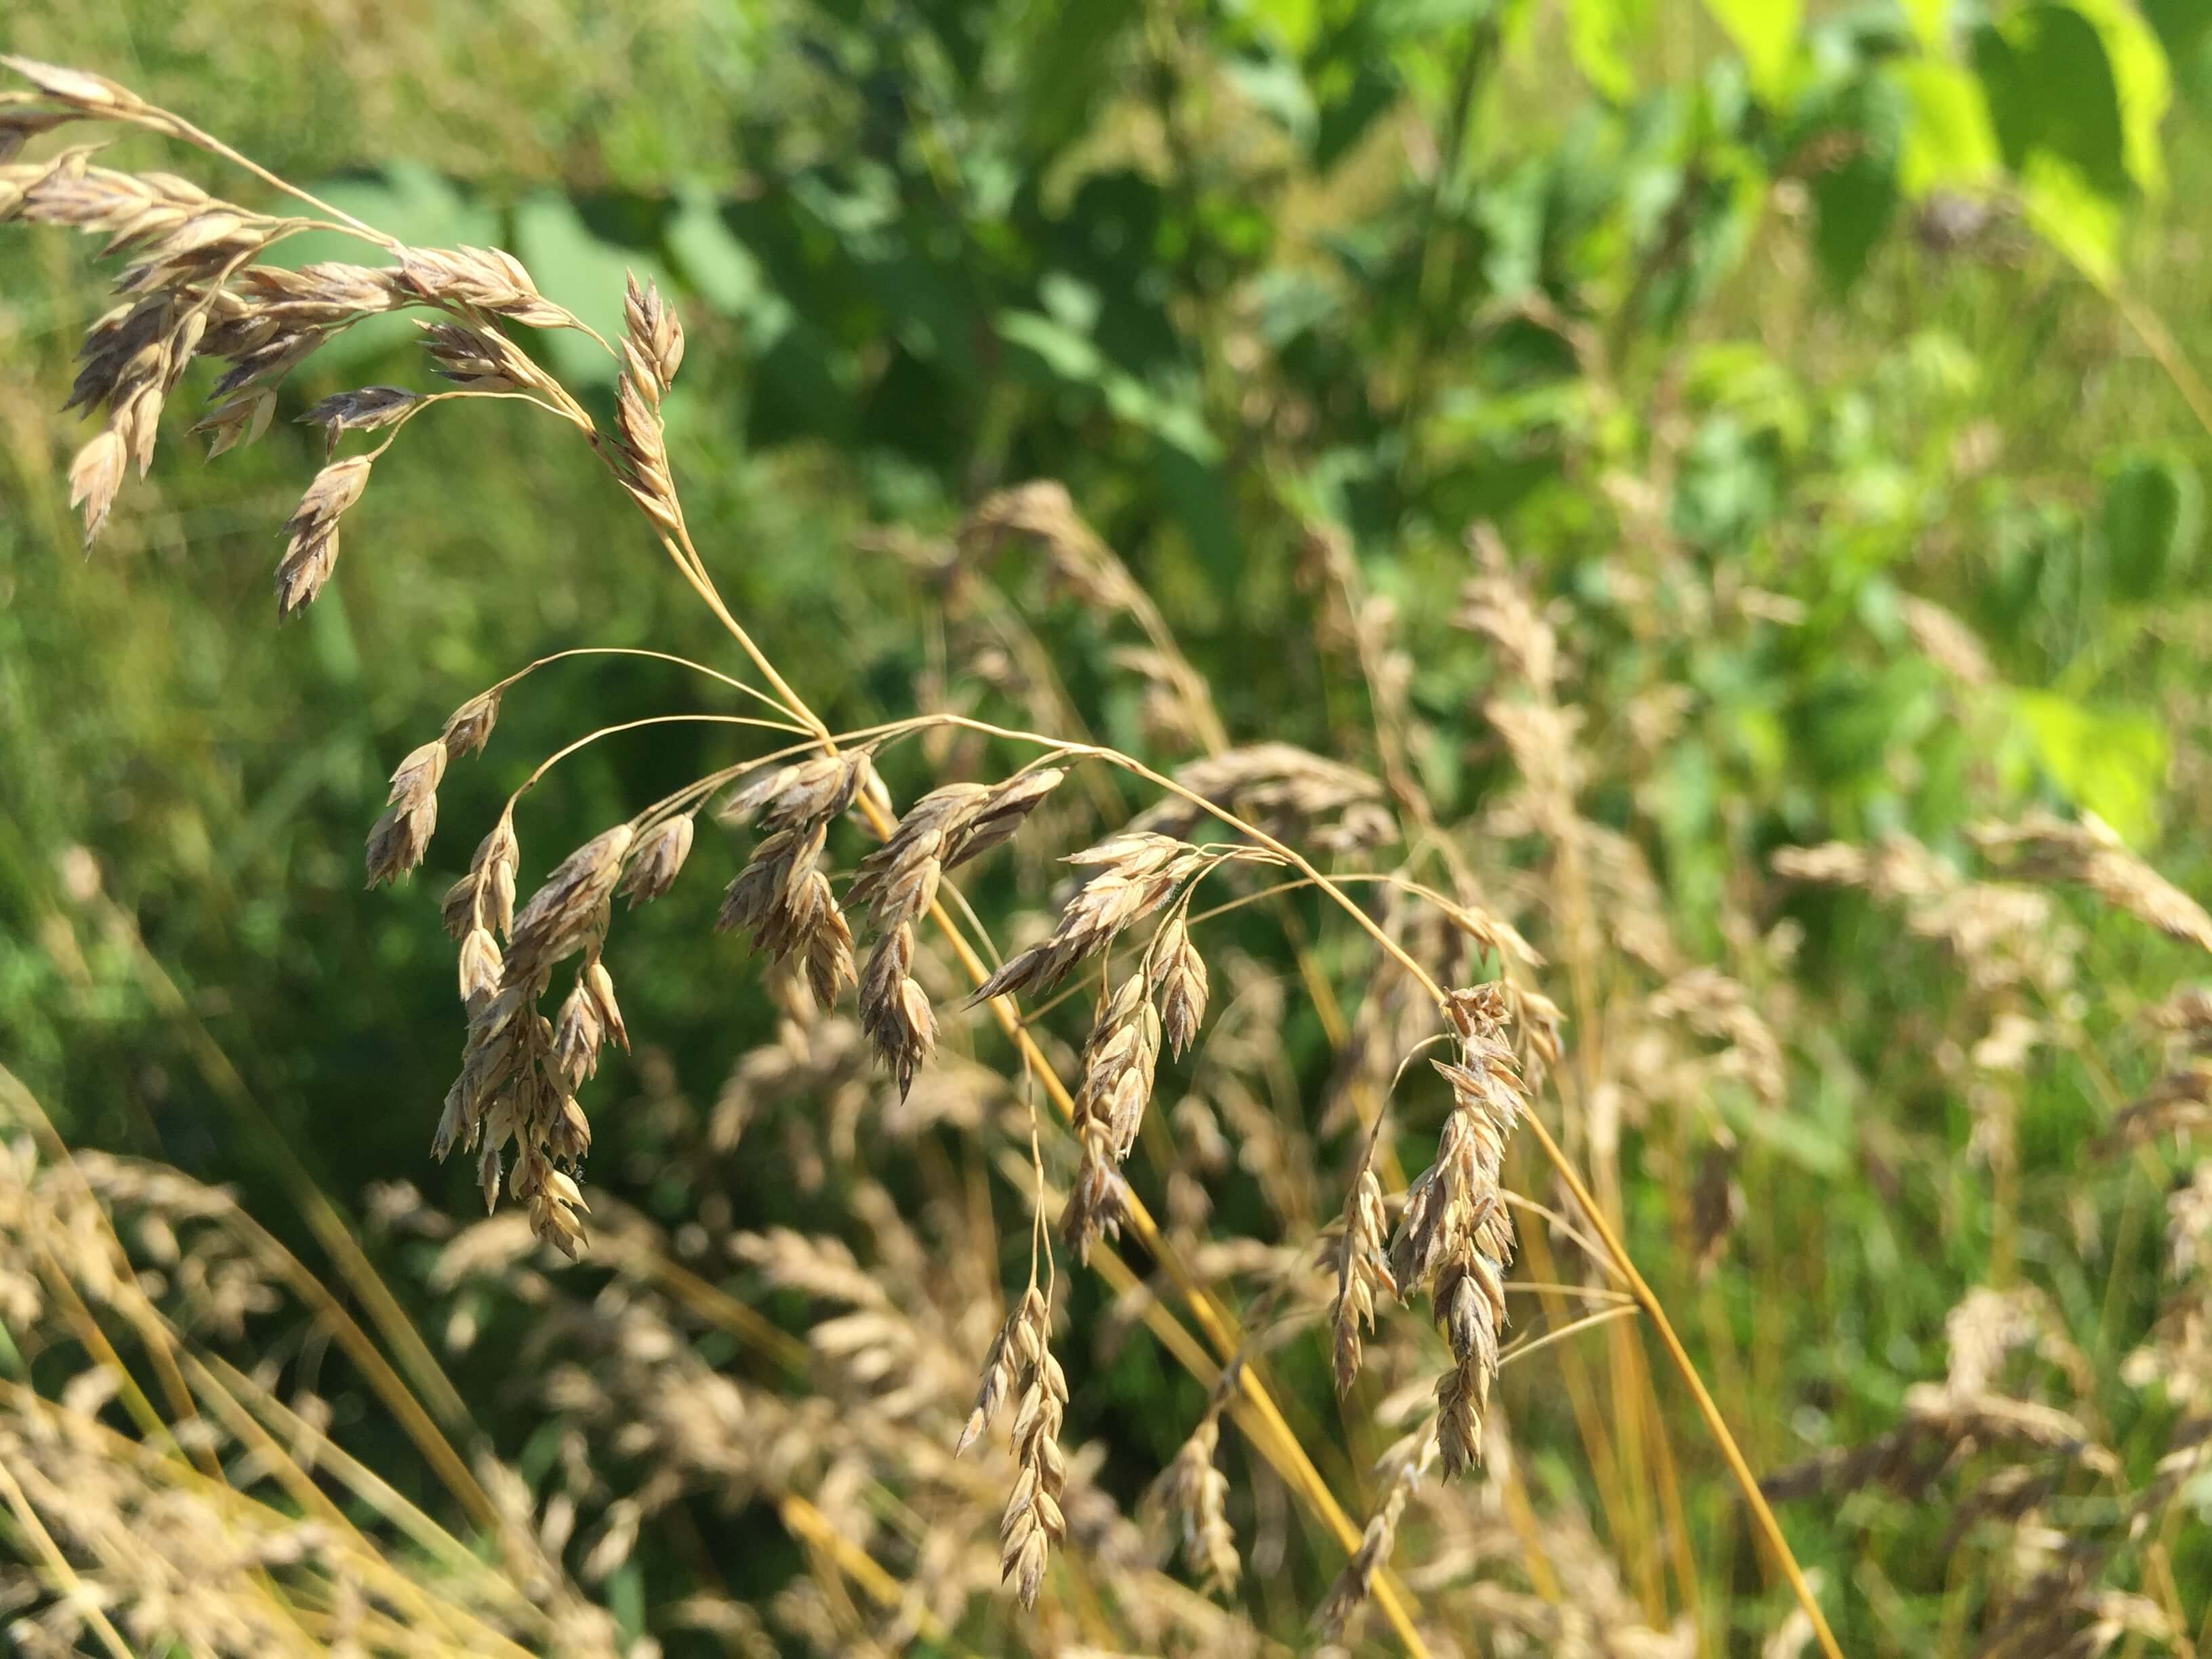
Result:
{"points": [[1930, 20], [2184, 34], [1598, 34], [719, 267], [1949, 143], [2052, 93], [1069, 354], [575, 268], [2152, 517], [1853, 203], [2110, 764], [2143, 81], [2079, 220], [1292, 23], [1765, 32]]}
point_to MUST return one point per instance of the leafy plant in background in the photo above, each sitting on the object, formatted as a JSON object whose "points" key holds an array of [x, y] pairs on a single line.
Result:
{"points": [[1699, 649]]}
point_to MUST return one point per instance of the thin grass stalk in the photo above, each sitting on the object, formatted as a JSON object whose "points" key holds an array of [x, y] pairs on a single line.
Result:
{"points": [[64, 1576], [1770, 1529], [1278, 1443], [335, 1235], [815, 1529], [304, 1491], [365, 1483], [236, 1503]]}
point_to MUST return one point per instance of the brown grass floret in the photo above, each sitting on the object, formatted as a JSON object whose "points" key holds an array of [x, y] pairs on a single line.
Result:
{"points": [[1455, 1235], [402, 835], [311, 552]]}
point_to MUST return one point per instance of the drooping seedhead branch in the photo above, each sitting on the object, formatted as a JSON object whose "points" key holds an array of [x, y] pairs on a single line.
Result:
{"points": [[199, 285]]}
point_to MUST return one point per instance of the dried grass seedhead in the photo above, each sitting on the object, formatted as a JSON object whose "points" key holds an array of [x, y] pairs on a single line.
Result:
{"points": [[569, 910], [311, 554], [1363, 1273], [1285, 790], [800, 795], [1946, 641], [468, 728], [653, 334], [2041, 848], [401, 837], [1175, 974], [485, 897], [372, 409], [1042, 509], [1455, 1234], [1020, 1363], [1356, 1583], [488, 280], [1136, 872], [1194, 1494], [658, 860]]}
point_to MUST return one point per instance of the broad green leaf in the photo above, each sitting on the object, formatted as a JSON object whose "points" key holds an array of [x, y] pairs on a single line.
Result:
{"points": [[2185, 33], [2112, 765], [2143, 81], [2080, 221], [1931, 22], [1765, 32], [1948, 141], [1597, 39], [1291, 22], [1067, 354], [714, 261], [2052, 93], [576, 269], [2153, 516], [1854, 202]]}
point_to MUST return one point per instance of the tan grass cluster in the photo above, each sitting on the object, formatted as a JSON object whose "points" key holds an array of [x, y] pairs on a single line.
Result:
{"points": [[1170, 1066]]}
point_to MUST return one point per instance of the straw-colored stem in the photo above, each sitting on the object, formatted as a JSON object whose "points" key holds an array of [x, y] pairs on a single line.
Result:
{"points": [[64, 1576], [1762, 1516]]}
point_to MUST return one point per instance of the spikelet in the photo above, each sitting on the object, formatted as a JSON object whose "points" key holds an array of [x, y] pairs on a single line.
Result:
{"points": [[1356, 1581], [372, 409], [805, 792], [781, 897], [479, 359], [401, 837], [1033, 1524], [1001, 1365], [481, 967], [1455, 1235], [1138, 873], [568, 912], [311, 552], [898, 882], [1175, 974], [1195, 1494], [485, 897], [1362, 1272], [1020, 1363], [468, 728], [94, 476], [481, 279], [654, 333], [658, 860]]}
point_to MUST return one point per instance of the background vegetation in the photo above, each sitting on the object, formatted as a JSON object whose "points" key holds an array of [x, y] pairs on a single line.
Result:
{"points": [[1824, 378]]}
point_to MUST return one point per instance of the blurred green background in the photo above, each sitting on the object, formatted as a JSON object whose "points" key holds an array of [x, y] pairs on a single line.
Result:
{"points": [[1833, 305]]}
